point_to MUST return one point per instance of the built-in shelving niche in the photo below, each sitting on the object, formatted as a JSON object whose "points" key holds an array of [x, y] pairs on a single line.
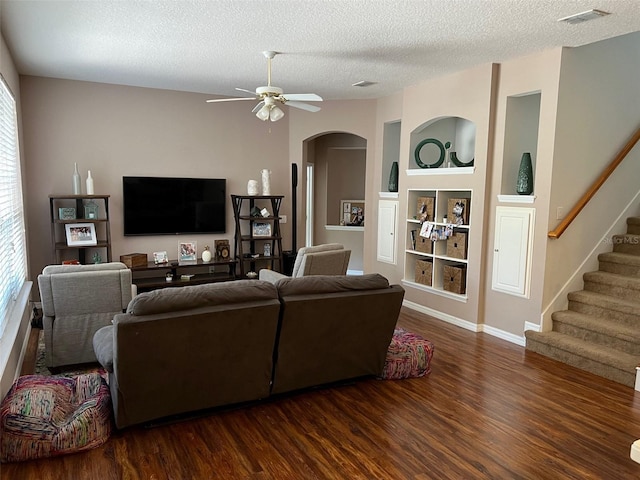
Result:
{"points": [[520, 136], [431, 138], [390, 154]]}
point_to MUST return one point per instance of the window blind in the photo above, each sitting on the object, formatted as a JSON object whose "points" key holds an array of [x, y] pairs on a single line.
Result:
{"points": [[13, 257]]}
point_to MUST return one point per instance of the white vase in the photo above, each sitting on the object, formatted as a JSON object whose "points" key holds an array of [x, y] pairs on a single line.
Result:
{"points": [[252, 187], [206, 255], [266, 182], [89, 183], [77, 187]]}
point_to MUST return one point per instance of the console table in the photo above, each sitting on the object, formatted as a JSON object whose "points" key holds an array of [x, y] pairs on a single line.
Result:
{"points": [[154, 275]]}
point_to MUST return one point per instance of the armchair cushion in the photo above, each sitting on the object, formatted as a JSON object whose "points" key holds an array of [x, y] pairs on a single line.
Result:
{"points": [[300, 257], [77, 300]]}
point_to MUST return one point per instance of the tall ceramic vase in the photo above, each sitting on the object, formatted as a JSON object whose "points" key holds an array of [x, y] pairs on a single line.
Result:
{"points": [[266, 182], [393, 177], [524, 185], [77, 186]]}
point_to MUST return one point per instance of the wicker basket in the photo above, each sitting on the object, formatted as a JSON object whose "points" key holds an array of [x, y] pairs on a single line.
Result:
{"points": [[424, 269], [454, 278], [457, 245]]}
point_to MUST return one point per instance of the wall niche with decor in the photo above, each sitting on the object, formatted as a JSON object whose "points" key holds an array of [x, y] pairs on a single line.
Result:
{"points": [[520, 137], [444, 145]]}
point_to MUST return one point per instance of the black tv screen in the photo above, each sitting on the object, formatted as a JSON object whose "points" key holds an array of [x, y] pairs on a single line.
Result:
{"points": [[170, 206]]}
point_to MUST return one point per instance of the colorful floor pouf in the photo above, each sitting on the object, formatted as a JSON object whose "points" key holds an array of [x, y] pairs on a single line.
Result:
{"points": [[43, 416], [409, 355]]}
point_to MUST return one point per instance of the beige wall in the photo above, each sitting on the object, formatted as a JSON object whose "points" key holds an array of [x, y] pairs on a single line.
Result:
{"points": [[598, 105], [535, 73], [117, 130], [353, 117], [466, 95]]}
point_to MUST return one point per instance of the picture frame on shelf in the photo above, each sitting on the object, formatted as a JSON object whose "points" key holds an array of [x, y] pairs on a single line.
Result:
{"points": [[352, 213], [267, 249], [160, 258], [223, 252], [66, 213], [80, 234], [188, 252], [261, 229]]}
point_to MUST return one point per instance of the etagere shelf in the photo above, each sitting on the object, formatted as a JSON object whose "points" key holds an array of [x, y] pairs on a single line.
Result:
{"points": [[250, 236], [98, 215]]}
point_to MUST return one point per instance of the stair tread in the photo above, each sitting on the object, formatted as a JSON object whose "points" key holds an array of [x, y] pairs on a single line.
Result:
{"points": [[606, 301], [596, 324], [620, 258], [603, 354], [613, 279]]}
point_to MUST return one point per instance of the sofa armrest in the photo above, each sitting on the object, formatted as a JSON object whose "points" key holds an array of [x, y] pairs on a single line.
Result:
{"points": [[270, 276]]}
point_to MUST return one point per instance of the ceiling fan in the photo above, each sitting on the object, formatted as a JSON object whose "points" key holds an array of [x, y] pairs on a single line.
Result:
{"points": [[269, 96]]}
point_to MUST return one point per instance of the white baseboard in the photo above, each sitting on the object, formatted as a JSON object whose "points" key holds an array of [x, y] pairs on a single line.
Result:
{"points": [[459, 322]]}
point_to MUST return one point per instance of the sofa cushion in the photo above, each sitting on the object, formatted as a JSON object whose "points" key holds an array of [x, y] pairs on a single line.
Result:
{"points": [[103, 347], [185, 298], [317, 284]]}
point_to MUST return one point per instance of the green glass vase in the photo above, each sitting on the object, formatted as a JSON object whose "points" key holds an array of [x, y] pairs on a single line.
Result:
{"points": [[393, 177], [524, 185]]}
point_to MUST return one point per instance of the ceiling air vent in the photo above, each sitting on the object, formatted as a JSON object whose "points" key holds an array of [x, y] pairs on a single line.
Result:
{"points": [[363, 83], [584, 16]]}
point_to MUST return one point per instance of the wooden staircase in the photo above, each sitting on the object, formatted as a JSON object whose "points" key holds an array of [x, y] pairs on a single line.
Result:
{"points": [[600, 331]]}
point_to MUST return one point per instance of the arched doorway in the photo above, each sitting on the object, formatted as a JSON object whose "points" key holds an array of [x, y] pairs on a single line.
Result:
{"points": [[335, 171]]}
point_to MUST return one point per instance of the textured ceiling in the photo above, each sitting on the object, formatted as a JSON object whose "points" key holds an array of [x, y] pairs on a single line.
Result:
{"points": [[327, 45]]}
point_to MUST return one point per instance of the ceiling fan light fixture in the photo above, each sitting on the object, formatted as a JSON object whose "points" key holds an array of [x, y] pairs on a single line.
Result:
{"points": [[263, 113], [275, 114]]}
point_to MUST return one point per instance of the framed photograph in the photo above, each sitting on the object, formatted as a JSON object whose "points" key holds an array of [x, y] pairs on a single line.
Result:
{"points": [[160, 257], [352, 212], [223, 252], [261, 229], [79, 234], [267, 249], [187, 252]]}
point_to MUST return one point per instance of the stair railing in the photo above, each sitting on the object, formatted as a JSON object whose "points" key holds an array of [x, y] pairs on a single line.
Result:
{"points": [[589, 194]]}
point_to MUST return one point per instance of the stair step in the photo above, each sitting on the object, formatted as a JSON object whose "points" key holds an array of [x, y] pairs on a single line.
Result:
{"points": [[612, 309], [633, 225], [620, 263], [598, 330], [612, 284], [627, 243], [600, 360]]}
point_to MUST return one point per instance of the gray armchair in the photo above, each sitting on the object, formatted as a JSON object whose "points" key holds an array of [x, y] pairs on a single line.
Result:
{"points": [[77, 300], [327, 259]]}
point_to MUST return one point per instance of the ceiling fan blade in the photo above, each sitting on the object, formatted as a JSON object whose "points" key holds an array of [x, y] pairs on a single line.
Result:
{"points": [[303, 97], [303, 106], [244, 90], [257, 107], [214, 100]]}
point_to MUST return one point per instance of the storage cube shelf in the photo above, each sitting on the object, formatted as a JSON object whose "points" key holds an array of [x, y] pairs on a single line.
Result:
{"points": [[438, 266]]}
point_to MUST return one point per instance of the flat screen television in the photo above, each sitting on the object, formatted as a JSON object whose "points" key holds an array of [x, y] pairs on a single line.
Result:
{"points": [[170, 206]]}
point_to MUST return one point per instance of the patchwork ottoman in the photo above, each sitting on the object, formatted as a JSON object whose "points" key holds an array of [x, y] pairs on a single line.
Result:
{"points": [[409, 355], [43, 416]]}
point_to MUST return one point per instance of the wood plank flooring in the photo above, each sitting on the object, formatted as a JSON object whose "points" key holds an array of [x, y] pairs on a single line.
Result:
{"points": [[488, 410]]}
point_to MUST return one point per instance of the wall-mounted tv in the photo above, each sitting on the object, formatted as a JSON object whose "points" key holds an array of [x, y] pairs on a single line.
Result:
{"points": [[170, 206]]}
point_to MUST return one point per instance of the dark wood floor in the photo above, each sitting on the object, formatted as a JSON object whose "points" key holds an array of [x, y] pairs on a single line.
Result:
{"points": [[489, 409]]}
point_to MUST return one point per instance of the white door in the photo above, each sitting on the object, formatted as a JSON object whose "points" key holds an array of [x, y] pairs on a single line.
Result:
{"points": [[512, 250], [387, 217]]}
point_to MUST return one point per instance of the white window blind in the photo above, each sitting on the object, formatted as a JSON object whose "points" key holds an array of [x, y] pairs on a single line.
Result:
{"points": [[13, 256]]}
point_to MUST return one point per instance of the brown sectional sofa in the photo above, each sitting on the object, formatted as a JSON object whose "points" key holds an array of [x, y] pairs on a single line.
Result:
{"points": [[179, 350]]}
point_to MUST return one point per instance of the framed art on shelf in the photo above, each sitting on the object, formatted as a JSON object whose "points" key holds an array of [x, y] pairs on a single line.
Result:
{"points": [[160, 257], [187, 252], [261, 229], [80, 234], [352, 212]]}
